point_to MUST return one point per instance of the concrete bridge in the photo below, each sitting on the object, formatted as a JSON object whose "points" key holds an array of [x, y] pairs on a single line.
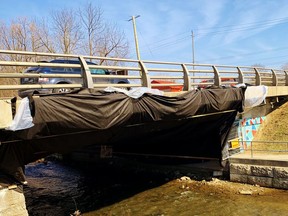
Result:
{"points": [[84, 72], [201, 98], [173, 78]]}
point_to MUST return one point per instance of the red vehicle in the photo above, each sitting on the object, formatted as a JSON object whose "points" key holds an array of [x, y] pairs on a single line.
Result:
{"points": [[166, 88]]}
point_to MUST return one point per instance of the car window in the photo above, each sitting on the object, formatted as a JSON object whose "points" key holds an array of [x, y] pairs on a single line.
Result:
{"points": [[28, 70], [76, 70], [97, 71], [57, 70]]}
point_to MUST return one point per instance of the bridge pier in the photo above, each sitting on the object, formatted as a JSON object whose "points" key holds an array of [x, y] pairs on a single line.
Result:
{"points": [[12, 199]]}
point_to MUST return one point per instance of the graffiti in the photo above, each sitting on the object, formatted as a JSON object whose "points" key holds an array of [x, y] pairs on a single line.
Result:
{"points": [[248, 128]]}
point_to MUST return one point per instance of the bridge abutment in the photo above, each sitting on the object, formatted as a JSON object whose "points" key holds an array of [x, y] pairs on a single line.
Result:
{"points": [[260, 171]]}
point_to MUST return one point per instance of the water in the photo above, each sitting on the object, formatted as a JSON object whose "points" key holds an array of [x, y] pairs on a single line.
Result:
{"points": [[57, 188], [106, 189]]}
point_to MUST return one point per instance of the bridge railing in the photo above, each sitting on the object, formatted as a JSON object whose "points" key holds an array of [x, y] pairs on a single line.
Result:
{"points": [[263, 147], [140, 73]]}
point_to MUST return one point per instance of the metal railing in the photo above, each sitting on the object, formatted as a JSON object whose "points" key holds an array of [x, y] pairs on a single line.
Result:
{"points": [[261, 147], [140, 73]]}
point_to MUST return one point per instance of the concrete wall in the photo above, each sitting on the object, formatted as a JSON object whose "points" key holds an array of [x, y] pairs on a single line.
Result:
{"points": [[12, 201], [273, 174]]}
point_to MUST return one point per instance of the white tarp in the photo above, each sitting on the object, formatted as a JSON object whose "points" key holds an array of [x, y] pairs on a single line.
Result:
{"points": [[23, 118], [255, 95], [135, 92]]}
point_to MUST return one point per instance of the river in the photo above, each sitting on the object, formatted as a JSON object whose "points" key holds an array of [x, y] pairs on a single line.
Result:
{"points": [[107, 188]]}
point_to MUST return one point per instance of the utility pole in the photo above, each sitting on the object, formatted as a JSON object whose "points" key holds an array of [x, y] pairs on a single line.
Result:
{"points": [[193, 49], [135, 35]]}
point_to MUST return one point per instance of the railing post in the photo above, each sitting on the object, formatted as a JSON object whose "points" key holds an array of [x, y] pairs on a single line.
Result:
{"points": [[85, 72], [217, 80], [286, 78], [146, 82], [258, 77], [186, 77], [240, 75], [274, 78], [251, 149]]}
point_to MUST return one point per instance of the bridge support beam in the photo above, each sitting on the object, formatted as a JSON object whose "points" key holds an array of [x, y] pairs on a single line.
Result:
{"points": [[274, 91]]}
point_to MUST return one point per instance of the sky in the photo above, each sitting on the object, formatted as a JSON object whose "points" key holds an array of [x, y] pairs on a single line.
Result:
{"points": [[225, 32]]}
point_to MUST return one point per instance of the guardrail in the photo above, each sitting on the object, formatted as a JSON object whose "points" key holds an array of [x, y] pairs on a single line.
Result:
{"points": [[140, 73], [266, 147]]}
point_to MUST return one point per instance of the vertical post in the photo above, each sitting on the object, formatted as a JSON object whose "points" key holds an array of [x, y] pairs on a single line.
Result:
{"points": [[85, 71], [135, 35], [240, 75], [258, 77], [145, 75], [187, 82], [286, 78], [251, 149], [193, 49], [274, 78], [217, 80]]}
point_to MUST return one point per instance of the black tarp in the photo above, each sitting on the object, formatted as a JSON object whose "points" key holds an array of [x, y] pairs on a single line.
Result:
{"points": [[195, 123]]}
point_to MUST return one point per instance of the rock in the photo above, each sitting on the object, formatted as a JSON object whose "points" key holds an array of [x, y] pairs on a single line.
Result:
{"points": [[245, 192]]}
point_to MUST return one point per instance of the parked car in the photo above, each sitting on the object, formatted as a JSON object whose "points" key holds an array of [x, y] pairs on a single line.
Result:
{"points": [[62, 80], [225, 82]]}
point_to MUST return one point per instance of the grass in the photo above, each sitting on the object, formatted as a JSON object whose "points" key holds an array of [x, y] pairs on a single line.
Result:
{"points": [[273, 133]]}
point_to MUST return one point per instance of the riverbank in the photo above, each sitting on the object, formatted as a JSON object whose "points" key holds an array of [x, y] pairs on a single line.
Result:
{"points": [[186, 197]]}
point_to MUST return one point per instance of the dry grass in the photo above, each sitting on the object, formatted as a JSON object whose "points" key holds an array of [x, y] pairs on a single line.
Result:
{"points": [[274, 129]]}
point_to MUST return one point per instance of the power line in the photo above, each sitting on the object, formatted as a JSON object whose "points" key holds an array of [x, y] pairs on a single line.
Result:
{"points": [[172, 40], [275, 21], [146, 43], [249, 54], [243, 27]]}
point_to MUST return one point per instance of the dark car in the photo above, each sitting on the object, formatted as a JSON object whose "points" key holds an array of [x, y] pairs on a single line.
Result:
{"points": [[62, 80]]}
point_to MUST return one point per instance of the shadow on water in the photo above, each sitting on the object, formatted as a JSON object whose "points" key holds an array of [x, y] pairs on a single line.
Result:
{"points": [[59, 188]]}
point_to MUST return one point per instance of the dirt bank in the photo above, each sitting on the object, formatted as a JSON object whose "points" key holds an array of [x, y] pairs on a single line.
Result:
{"points": [[187, 197], [275, 127], [217, 186]]}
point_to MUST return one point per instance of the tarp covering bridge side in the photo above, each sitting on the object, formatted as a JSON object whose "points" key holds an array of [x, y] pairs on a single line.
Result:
{"points": [[195, 123]]}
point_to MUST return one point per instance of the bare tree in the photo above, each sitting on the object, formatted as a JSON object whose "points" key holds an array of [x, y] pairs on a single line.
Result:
{"points": [[20, 35], [112, 44], [63, 32], [67, 31], [92, 20], [103, 38], [44, 36], [257, 65]]}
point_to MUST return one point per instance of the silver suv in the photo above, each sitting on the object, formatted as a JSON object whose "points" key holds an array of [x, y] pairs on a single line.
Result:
{"points": [[62, 70]]}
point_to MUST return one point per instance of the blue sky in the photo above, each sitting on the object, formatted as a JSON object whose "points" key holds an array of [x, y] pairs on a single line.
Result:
{"points": [[226, 32]]}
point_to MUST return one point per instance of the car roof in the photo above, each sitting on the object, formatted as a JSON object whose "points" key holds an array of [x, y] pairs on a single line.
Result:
{"points": [[69, 61]]}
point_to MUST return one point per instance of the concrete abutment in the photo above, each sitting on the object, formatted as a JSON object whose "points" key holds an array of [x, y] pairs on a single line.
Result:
{"points": [[265, 173]]}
